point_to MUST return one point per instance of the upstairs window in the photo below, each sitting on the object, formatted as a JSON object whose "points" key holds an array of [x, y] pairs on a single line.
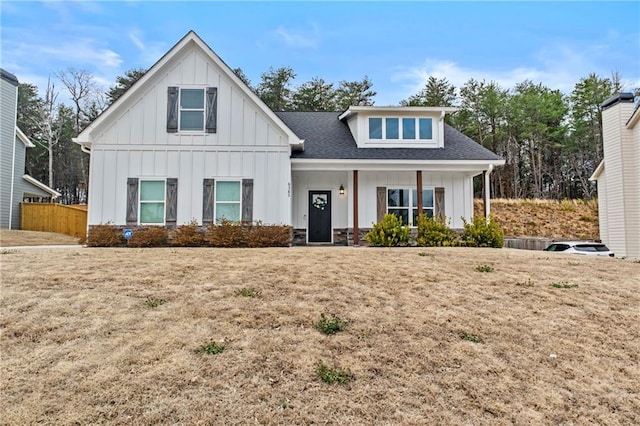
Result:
{"points": [[192, 109], [406, 128]]}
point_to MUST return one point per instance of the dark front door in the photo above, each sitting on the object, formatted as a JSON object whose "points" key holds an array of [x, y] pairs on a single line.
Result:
{"points": [[319, 216]]}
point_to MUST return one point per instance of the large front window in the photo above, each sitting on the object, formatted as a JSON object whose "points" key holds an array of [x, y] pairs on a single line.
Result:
{"points": [[394, 128], [228, 196], [192, 109], [404, 204], [152, 201]]}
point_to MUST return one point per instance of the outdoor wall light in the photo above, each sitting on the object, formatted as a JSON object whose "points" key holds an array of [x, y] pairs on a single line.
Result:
{"points": [[341, 190]]}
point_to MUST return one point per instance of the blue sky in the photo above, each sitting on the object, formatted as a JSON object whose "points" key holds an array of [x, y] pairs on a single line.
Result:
{"points": [[397, 44]]}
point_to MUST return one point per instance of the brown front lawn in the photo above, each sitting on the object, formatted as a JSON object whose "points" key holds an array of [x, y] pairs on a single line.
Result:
{"points": [[13, 238], [434, 336]]}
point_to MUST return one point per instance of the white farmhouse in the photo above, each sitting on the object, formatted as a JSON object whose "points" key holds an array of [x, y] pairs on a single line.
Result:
{"points": [[618, 176], [190, 141]]}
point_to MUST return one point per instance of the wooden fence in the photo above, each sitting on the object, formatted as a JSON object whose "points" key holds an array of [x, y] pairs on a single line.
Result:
{"points": [[49, 217]]}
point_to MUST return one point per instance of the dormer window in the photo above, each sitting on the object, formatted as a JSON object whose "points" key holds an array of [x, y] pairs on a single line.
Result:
{"points": [[395, 128]]}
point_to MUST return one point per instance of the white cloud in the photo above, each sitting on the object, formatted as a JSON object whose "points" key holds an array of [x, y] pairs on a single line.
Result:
{"points": [[558, 66], [298, 39], [81, 52]]}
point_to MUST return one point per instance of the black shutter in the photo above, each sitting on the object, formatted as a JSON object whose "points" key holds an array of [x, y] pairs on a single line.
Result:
{"points": [[439, 202], [247, 200], [172, 110], [132, 201], [208, 201], [381, 201], [171, 209], [212, 110]]}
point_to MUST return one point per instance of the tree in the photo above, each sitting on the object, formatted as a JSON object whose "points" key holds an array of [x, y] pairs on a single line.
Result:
{"points": [[583, 150], [242, 76], [123, 83], [437, 92], [314, 95], [274, 88], [48, 127], [354, 93]]}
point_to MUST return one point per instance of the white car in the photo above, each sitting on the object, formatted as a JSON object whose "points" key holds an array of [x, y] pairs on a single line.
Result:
{"points": [[581, 247]]}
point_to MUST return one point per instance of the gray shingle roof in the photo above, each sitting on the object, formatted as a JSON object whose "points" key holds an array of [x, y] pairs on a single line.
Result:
{"points": [[326, 137]]}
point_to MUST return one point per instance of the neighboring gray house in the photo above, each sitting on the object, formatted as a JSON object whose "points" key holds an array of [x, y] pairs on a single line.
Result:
{"points": [[618, 176], [15, 185], [190, 141]]}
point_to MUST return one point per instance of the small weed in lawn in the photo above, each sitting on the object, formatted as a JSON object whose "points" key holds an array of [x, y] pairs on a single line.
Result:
{"points": [[562, 284], [574, 264], [331, 325], [8, 251], [333, 375], [527, 283], [153, 302], [423, 254], [471, 337], [248, 292], [212, 348], [484, 268]]}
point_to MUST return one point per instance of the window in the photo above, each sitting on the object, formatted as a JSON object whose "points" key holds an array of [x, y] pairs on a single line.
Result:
{"points": [[426, 128], [408, 128], [192, 109], [375, 128], [390, 128], [228, 196], [152, 201], [404, 204]]}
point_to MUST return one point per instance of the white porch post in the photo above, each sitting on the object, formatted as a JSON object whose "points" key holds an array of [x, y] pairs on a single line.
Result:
{"points": [[487, 192]]}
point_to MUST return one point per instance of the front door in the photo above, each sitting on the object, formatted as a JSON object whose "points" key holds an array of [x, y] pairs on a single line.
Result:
{"points": [[319, 216]]}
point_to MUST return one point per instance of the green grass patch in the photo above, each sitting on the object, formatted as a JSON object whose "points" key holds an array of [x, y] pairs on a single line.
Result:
{"points": [[474, 338], [562, 284], [212, 348], [331, 375], [153, 302], [484, 268], [331, 325], [248, 292]]}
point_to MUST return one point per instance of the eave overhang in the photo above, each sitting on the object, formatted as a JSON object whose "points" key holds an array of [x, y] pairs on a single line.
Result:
{"points": [[454, 166]]}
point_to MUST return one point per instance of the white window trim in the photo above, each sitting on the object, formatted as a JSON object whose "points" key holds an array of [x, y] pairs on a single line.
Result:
{"points": [[216, 202], [401, 137], [204, 109], [164, 201], [411, 205]]}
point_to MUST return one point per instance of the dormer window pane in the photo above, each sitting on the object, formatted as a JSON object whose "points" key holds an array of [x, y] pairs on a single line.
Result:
{"points": [[393, 131], [426, 128], [408, 128], [375, 128]]}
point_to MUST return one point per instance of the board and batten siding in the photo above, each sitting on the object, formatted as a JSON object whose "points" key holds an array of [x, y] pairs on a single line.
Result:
{"points": [[269, 169], [134, 142], [143, 119], [458, 194]]}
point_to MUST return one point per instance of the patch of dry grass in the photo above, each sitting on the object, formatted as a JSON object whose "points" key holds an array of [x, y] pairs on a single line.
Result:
{"points": [[430, 340], [13, 238], [566, 219]]}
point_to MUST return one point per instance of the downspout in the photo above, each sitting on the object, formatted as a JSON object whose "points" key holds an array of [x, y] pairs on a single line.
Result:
{"points": [[441, 130]]}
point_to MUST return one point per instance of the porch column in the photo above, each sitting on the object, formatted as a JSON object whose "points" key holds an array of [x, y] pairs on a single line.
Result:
{"points": [[419, 185], [486, 191], [356, 231]]}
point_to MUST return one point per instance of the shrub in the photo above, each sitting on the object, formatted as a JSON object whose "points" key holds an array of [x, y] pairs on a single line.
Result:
{"points": [[189, 235], [236, 234], [333, 375], [388, 232], [227, 234], [331, 325], [152, 236], [434, 232], [269, 235], [482, 233], [105, 236]]}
